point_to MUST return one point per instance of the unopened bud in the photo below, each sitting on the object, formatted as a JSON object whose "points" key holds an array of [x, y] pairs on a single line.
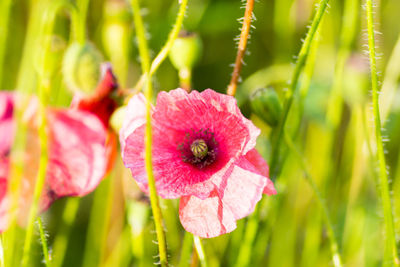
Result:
{"points": [[265, 104], [186, 50], [117, 31], [81, 68], [117, 118]]}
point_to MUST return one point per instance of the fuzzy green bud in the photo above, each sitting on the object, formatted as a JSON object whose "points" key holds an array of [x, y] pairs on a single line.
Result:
{"points": [[186, 51], [81, 68], [265, 104]]}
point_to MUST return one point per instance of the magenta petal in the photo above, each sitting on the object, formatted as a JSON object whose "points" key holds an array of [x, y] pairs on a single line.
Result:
{"points": [[219, 113], [77, 153]]}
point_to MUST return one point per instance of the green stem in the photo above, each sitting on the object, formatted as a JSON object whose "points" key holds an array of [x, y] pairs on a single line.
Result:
{"points": [[185, 79], [348, 32], [41, 176], [337, 262], [1, 251], [389, 84], [44, 86], [200, 251], [144, 55], [301, 60], [5, 8], [44, 242], [250, 233], [186, 251], [167, 47], [383, 176], [61, 239], [80, 29]]}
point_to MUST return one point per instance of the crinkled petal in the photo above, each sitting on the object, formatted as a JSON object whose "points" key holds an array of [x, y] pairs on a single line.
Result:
{"points": [[206, 218], [261, 167], [77, 153], [233, 200], [135, 117]]}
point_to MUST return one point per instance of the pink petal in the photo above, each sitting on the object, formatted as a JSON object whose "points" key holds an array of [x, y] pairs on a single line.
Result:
{"points": [[77, 153], [206, 218], [260, 167], [233, 200], [176, 114]]}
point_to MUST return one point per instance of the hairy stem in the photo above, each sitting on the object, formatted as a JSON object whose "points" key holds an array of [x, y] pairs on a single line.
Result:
{"points": [[155, 204], [301, 60], [383, 175], [166, 48], [244, 36], [44, 87], [44, 242]]}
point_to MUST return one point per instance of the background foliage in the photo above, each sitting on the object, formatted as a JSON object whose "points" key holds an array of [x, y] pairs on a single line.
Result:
{"points": [[331, 123]]}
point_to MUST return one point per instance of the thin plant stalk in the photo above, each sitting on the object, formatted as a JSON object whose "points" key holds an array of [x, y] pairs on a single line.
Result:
{"points": [[348, 32], [44, 87], [166, 48], [389, 84], [145, 58], [4, 24], [200, 251], [186, 251], [185, 79], [96, 236], [43, 241], [1, 251], [383, 175], [336, 258], [244, 36], [83, 6], [61, 239], [301, 60], [41, 176]]}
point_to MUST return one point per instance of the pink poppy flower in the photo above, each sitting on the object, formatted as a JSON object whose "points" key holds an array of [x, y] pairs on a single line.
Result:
{"points": [[81, 148], [203, 152]]}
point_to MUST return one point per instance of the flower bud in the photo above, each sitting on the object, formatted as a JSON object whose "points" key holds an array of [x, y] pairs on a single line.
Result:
{"points": [[81, 68], [265, 104], [117, 34], [186, 50], [117, 118]]}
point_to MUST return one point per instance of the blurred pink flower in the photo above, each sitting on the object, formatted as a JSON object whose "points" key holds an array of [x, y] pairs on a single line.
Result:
{"points": [[203, 151], [81, 148]]}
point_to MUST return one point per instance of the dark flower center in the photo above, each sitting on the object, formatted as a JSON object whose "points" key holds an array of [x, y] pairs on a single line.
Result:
{"points": [[199, 148]]}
